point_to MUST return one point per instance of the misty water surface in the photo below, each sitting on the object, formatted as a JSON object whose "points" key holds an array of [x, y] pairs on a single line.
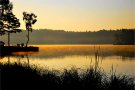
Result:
{"points": [[60, 57]]}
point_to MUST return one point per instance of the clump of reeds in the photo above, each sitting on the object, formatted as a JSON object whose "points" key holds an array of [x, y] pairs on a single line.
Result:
{"points": [[18, 77]]}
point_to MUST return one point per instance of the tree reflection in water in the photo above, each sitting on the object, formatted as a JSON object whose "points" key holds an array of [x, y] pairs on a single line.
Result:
{"points": [[19, 56]]}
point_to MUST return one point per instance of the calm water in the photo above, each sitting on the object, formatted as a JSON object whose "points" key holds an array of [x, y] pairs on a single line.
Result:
{"points": [[60, 57]]}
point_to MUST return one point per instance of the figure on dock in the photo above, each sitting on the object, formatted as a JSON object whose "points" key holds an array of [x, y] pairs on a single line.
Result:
{"points": [[2, 43]]}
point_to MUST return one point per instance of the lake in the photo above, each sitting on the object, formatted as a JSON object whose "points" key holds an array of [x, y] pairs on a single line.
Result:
{"points": [[116, 58]]}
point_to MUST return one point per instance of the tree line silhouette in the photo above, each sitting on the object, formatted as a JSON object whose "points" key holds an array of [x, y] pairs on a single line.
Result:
{"points": [[45, 36], [125, 37]]}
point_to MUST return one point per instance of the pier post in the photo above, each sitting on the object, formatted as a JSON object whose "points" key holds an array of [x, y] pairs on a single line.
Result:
{"points": [[8, 39]]}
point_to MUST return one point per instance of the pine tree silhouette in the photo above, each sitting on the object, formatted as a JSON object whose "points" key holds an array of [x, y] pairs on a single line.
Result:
{"points": [[8, 21]]}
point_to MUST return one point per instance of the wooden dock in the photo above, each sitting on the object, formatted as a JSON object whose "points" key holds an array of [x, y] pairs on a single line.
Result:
{"points": [[10, 49]]}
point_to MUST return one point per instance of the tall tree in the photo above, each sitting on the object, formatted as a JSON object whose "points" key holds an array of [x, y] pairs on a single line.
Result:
{"points": [[8, 21], [30, 19]]}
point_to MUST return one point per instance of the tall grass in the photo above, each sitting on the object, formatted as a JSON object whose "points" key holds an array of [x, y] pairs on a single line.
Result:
{"points": [[18, 77]]}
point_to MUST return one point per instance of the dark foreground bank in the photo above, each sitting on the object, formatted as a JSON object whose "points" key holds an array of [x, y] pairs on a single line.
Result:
{"points": [[18, 77]]}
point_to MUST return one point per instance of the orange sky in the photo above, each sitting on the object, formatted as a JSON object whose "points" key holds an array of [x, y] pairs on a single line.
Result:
{"points": [[78, 15]]}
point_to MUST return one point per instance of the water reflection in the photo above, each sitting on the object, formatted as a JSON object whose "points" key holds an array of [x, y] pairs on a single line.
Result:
{"points": [[54, 51], [59, 57], [17, 59]]}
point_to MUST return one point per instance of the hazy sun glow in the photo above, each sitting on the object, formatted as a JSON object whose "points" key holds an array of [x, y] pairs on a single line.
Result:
{"points": [[78, 15]]}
